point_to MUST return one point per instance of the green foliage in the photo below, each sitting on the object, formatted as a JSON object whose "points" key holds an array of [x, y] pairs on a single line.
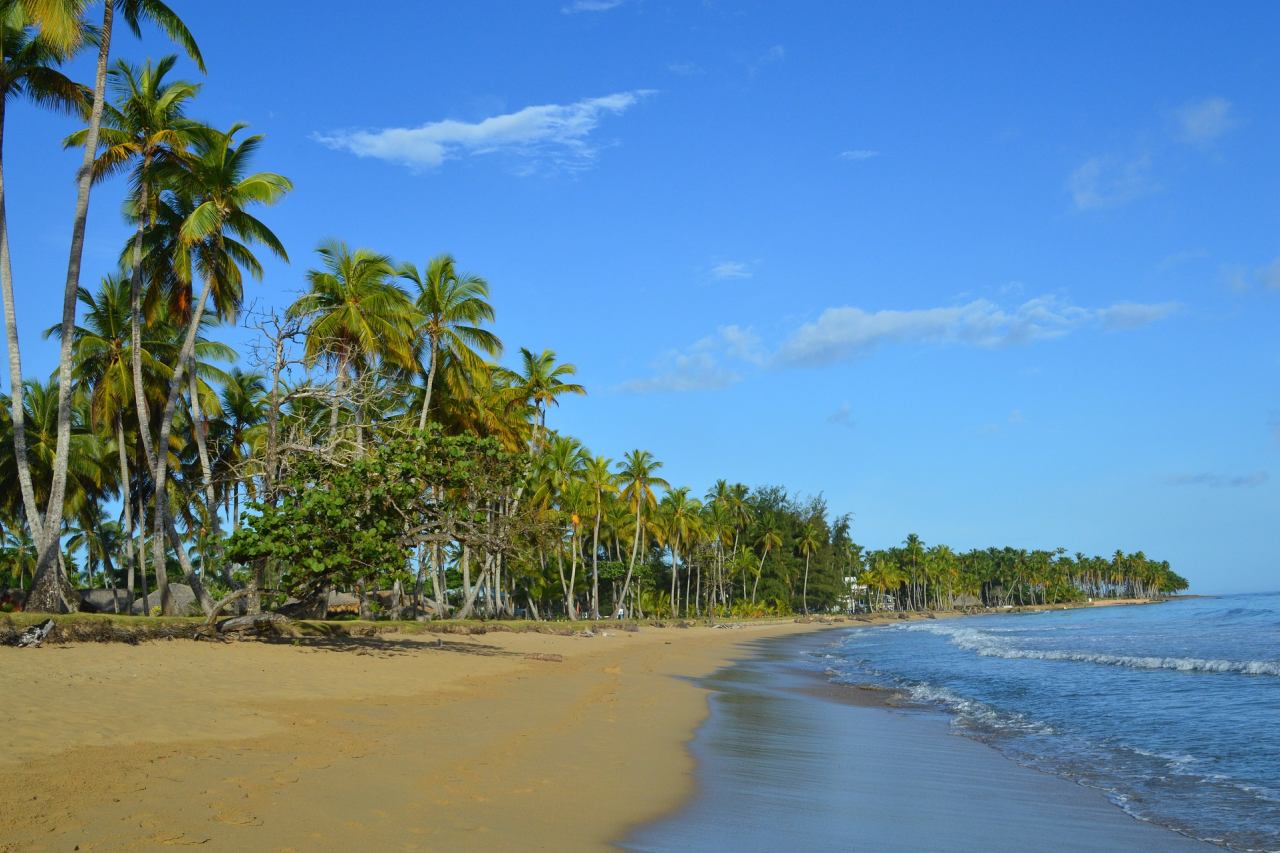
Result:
{"points": [[343, 524]]}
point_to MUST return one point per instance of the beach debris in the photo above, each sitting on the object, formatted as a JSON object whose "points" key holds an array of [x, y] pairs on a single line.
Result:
{"points": [[35, 635], [547, 656]]}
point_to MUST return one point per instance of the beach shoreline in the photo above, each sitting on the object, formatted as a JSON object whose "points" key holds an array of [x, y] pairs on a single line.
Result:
{"points": [[513, 740], [506, 740]]}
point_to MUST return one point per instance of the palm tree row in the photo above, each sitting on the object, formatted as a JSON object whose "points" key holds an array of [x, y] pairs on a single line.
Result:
{"points": [[149, 458]]}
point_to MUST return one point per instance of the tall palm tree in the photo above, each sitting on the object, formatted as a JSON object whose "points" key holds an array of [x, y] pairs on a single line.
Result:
{"points": [[539, 379], [809, 543], [356, 314], [450, 306], [244, 403], [770, 539], [28, 70], [637, 473], [214, 239], [680, 517], [48, 590], [147, 132], [601, 481]]}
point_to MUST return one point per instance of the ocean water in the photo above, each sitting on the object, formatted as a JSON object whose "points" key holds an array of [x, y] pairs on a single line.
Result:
{"points": [[1172, 710]]}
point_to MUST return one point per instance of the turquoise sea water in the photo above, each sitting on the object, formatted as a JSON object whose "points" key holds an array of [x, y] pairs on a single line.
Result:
{"points": [[1172, 710]]}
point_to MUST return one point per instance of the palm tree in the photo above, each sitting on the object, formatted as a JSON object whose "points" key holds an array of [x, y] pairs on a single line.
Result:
{"points": [[216, 180], [810, 542], [147, 129], [540, 381], [770, 538], [28, 70], [244, 404], [638, 477], [356, 313], [601, 481], [451, 307], [680, 519], [48, 590]]}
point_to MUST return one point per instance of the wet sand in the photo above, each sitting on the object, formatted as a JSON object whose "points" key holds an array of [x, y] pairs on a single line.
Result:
{"points": [[788, 761], [480, 742]]}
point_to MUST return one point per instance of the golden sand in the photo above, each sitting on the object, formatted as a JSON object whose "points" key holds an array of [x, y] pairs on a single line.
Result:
{"points": [[412, 743]]}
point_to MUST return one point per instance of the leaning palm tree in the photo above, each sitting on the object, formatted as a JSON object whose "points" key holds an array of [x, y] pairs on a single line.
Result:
{"points": [[146, 132], [450, 306], [356, 314], [213, 244], [28, 71], [770, 539], [637, 473], [48, 591]]}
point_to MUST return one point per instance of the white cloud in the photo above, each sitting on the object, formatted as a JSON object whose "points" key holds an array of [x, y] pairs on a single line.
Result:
{"points": [[1202, 122], [554, 133], [685, 69], [1111, 181], [777, 53], [589, 6], [731, 269], [842, 416], [1270, 275], [701, 367], [1218, 481], [846, 332], [1131, 315], [859, 154]]}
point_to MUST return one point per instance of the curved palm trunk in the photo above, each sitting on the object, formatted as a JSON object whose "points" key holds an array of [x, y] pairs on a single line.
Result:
{"points": [[675, 573], [431, 381], [199, 426], [29, 504], [595, 561], [759, 571], [635, 548], [127, 551], [162, 524], [51, 590], [805, 594]]}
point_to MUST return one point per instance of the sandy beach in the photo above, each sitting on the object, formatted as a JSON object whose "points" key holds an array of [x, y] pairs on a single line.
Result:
{"points": [[411, 743]]}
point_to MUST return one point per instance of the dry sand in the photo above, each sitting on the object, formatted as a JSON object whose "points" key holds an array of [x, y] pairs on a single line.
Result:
{"points": [[364, 744]]}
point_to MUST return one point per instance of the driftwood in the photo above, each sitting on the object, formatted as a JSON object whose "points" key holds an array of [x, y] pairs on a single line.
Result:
{"points": [[255, 623], [35, 635]]}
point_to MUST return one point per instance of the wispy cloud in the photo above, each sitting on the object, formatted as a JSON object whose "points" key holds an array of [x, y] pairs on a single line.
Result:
{"points": [[685, 69], [775, 54], [1270, 275], [589, 6], [1109, 181], [732, 269], [845, 332], [859, 154], [1241, 278], [1201, 122], [842, 416], [1220, 481], [701, 367], [554, 134]]}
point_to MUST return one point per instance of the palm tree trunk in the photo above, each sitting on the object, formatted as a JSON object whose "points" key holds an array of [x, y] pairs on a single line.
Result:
{"points": [[759, 571], [30, 506], [431, 381], [127, 551], [635, 547], [806, 583], [162, 522], [51, 590], [595, 561], [199, 426]]}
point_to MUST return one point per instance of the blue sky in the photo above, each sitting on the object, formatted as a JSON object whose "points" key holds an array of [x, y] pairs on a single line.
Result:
{"points": [[993, 274]]}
